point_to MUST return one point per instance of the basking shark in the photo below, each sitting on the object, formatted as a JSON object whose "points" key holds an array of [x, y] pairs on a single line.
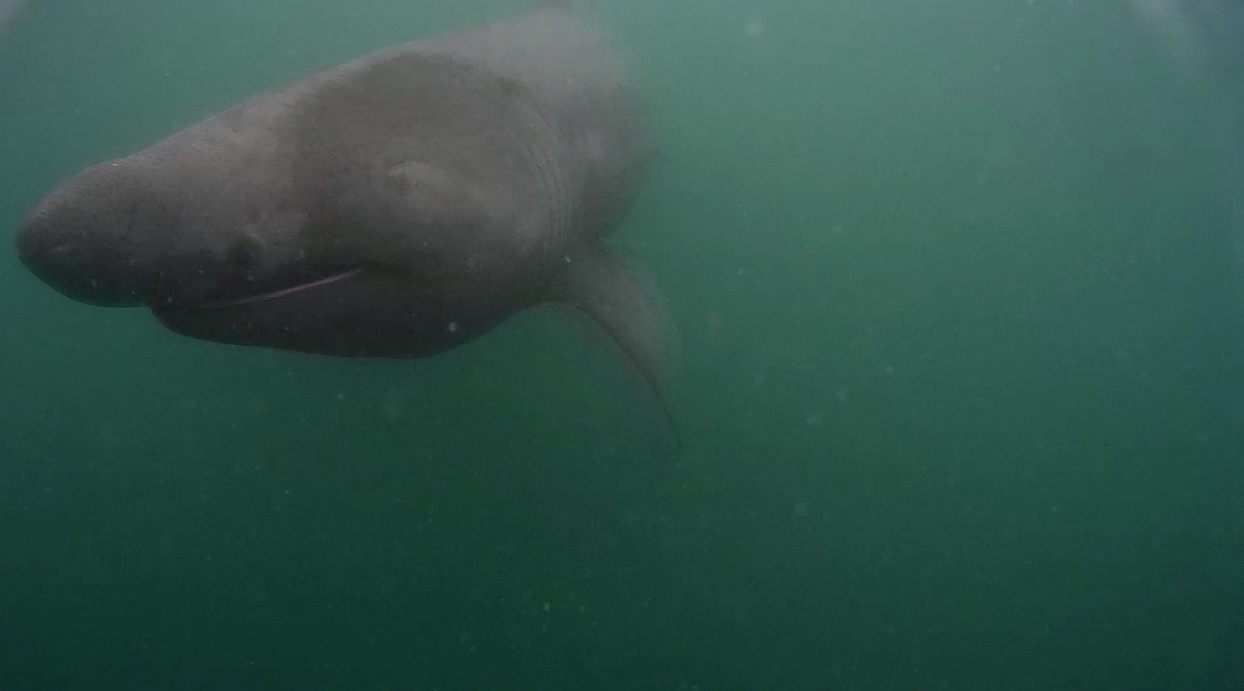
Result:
{"points": [[397, 205]]}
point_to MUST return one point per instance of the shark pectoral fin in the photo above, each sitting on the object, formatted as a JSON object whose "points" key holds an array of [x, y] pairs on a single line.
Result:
{"points": [[623, 301]]}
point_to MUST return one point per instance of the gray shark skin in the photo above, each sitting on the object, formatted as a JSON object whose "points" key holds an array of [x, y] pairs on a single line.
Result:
{"points": [[397, 205]]}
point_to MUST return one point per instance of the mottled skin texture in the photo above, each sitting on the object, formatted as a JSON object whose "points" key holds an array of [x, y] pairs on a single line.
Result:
{"points": [[432, 190]]}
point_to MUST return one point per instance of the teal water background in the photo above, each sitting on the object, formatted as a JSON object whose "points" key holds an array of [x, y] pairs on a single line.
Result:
{"points": [[962, 381]]}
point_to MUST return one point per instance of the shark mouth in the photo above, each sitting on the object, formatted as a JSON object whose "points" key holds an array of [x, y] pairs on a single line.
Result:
{"points": [[273, 294]]}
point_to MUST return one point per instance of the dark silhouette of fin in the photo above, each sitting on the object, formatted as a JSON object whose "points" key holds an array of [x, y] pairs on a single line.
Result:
{"points": [[623, 301]]}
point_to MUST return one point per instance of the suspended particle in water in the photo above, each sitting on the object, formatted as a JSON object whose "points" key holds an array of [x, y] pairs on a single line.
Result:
{"points": [[393, 407], [754, 28], [716, 330]]}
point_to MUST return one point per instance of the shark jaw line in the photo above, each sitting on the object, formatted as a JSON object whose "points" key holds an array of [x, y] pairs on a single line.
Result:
{"points": [[273, 294]]}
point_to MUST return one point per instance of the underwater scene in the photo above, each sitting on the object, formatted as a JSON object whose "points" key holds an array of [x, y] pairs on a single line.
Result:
{"points": [[392, 345]]}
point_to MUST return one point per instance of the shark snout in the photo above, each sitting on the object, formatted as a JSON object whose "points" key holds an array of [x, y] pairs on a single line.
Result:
{"points": [[80, 266]]}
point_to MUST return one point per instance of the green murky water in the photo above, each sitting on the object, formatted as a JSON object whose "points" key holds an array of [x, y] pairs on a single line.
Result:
{"points": [[962, 392]]}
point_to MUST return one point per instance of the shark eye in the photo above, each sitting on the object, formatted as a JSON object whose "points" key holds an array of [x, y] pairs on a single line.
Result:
{"points": [[244, 254]]}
